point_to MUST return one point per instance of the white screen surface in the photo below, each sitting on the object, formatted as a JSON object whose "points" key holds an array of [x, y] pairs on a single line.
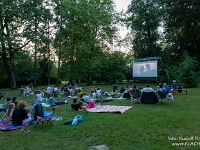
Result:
{"points": [[145, 69]]}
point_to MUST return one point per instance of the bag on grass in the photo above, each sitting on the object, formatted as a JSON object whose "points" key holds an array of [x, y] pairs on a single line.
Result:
{"points": [[170, 96]]}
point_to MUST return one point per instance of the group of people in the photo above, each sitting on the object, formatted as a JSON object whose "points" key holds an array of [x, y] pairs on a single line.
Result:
{"points": [[26, 90], [16, 112]]}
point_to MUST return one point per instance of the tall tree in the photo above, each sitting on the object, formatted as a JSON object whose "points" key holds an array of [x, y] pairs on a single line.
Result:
{"points": [[143, 19], [91, 26], [182, 29], [12, 34]]}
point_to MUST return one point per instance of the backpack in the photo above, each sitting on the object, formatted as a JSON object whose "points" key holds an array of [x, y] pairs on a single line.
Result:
{"points": [[38, 111]]}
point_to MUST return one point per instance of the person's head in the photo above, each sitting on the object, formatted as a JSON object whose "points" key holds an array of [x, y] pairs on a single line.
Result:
{"points": [[11, 106], [160, 86], [164, 84], [147, 85], [75, 100], [148, 66], [21, 104], [134, 86], [48, 95], [8, 99], [14, 99], [142, 69], [174, 81]]}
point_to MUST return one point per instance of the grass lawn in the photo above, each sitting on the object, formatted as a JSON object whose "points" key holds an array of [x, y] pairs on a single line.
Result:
{"points": [[144, 127]]}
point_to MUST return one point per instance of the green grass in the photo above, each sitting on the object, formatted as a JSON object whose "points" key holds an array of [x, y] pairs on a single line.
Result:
{"points": [[144, 127]]}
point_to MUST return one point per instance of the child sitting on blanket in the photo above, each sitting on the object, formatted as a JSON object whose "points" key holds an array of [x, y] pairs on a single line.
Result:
{"points": [[9, 112]]}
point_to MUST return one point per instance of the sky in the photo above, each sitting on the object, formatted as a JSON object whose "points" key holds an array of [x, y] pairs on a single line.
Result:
{"points": [[122, 5]]}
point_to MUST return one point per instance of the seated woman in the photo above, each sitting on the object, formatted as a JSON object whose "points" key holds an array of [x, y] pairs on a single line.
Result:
{"points": [[9, 112], [126, 95], [20, 116]]}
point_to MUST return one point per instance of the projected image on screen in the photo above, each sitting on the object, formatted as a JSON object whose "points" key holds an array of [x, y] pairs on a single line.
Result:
{"points": [[145, 69]]}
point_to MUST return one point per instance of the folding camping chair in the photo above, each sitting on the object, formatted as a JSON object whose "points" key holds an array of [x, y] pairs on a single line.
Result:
{"points": [[43, 117], [136, 96], [162, 96], [149, 98]]}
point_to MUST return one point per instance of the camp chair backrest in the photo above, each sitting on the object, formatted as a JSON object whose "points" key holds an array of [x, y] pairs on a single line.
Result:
{"points": [[136, 93], [149, 98]]}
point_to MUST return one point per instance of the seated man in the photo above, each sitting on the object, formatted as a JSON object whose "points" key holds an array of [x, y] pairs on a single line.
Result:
{"points": [[147, 89]]}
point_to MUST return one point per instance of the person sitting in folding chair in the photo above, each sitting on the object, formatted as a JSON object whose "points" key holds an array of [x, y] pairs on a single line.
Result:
{"points": [[161, 89]]}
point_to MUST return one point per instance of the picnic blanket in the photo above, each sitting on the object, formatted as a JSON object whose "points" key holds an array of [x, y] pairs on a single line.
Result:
{"points": [[110, 109], [7, 126]]}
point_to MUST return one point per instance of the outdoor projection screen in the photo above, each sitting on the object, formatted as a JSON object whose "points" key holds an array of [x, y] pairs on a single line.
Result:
{"points": [[145, 69]]}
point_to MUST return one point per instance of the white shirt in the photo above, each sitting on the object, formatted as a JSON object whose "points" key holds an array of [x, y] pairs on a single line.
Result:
{"points": [[39, 97]]}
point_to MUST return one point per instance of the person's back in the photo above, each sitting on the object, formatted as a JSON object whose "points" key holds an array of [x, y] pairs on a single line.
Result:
{"points": [[86, 98], [166, 87], [161, 88], [14, 100], [79, 94], [39, 96], [147, 89], [126, 95], [18, 116]]}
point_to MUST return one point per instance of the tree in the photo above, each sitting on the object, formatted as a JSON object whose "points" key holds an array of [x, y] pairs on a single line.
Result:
{"points": [[91, 30], [12, 25], [181, 29], [144, 20]]}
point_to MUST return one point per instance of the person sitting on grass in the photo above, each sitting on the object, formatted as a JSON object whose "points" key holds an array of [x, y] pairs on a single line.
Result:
{"points": [[20, 116], [14, 100], [76, 105], [86, 98], [51, 101], [126, 94], [9, 112]]}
